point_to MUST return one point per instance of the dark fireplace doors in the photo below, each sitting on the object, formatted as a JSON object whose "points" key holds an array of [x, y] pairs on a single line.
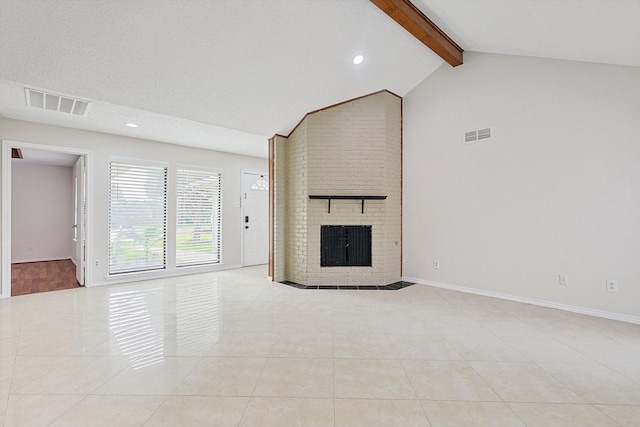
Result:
{"points": [[345, 246]]}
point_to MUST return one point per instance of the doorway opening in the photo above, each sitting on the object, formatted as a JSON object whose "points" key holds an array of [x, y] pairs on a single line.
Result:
{"points": [[44, 218]]}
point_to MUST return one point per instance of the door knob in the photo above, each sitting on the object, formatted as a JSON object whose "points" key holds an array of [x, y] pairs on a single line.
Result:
{"points": [[246, 226]]}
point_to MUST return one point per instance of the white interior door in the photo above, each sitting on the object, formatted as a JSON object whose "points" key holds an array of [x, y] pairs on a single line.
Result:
{"points": [[80, 219], [255, 218]]}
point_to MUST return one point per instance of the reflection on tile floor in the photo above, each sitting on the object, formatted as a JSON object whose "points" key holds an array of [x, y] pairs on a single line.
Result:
{"points": [[232, 349]]}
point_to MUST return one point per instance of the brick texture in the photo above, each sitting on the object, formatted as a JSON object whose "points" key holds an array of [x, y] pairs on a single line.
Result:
{"points": [[350, 149]]}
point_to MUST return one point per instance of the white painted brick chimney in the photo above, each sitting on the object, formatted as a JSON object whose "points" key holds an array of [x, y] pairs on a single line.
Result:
{"points": [[354, 148]]}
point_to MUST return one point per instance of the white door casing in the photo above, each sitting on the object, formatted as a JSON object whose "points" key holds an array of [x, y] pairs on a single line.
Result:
{"points": [[5, 210], [80, 216], [255, 218]]}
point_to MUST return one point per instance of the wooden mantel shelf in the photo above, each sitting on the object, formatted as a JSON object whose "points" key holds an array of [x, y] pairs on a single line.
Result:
{"points": [[336, 197]]}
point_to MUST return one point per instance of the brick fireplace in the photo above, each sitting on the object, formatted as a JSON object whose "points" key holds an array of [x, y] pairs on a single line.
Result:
{"points": [[341, 167]]}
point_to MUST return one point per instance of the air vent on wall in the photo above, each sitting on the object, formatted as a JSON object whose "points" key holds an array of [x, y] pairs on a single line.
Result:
{"points": [[476, 135], [49, 101]]}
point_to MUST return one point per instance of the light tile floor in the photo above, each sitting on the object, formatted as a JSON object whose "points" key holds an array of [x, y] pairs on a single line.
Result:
{"points": [[231, 349]]}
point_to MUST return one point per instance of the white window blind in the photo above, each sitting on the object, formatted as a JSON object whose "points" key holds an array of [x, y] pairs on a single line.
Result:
{"points": [[198, 217], [137, 217]]}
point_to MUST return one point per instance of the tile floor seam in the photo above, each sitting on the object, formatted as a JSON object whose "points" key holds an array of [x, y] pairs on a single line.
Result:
{"points": [[111, 377], [61, 415], [487, 383], [510, 346], [333, 382], [515, 413], [244, 412], [585, 354], [637, 382], [453, 347], [599, 362], [52, 421], [4, 415], [426, 415], [564, 383], [164, 399], [567, 404], [580, 394], [605, 414], [255, 386], [35, 379], [195, 365], [333, 377], [13, 369], [406, 375], [506, 404], [535, 402], [390, 341], [448, 340], [424, 411]]}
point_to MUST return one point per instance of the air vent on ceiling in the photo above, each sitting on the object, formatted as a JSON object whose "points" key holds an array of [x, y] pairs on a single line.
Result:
{"points": [[476, 135], [49, 101]]}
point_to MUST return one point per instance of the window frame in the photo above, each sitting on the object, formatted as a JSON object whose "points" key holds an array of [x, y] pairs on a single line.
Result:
{"points": [[135, 162], [205, 170]]}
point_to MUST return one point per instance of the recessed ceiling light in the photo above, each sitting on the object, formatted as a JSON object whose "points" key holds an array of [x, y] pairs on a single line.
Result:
{"points": [[131, 125], [358, 59]]}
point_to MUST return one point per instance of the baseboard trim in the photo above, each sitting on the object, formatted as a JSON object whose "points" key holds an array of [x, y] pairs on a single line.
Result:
{"points": [[162, 274], [43, 260], [541, 303]]}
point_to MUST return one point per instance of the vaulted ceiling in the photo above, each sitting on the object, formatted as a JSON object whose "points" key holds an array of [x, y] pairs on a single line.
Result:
{"points": [[227, 74]]}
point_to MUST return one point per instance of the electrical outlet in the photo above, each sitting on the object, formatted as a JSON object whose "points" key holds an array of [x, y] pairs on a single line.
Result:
{"points": [[436, 264], [612, 286], [97, 263], [564, 280]]}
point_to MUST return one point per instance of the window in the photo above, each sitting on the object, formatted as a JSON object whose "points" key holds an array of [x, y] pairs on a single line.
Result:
{"points": [[137, 217], [198, 220], [260, 184]]}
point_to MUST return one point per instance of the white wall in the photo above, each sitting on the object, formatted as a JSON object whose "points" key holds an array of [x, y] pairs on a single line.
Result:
{"points": [[557, 190], [41, 212], [104, 146]]}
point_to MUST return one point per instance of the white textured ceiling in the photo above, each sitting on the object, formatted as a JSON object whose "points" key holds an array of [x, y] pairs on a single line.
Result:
{"points": [[253, 66], [603, 31], [227, 74]]}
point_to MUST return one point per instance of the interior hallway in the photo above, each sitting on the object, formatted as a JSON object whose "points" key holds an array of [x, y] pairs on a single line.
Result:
{"points": [[43, 276], [232, 349]]}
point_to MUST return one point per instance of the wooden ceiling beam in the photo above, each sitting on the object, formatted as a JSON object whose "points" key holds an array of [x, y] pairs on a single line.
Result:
{"points": [[414, 21]]}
